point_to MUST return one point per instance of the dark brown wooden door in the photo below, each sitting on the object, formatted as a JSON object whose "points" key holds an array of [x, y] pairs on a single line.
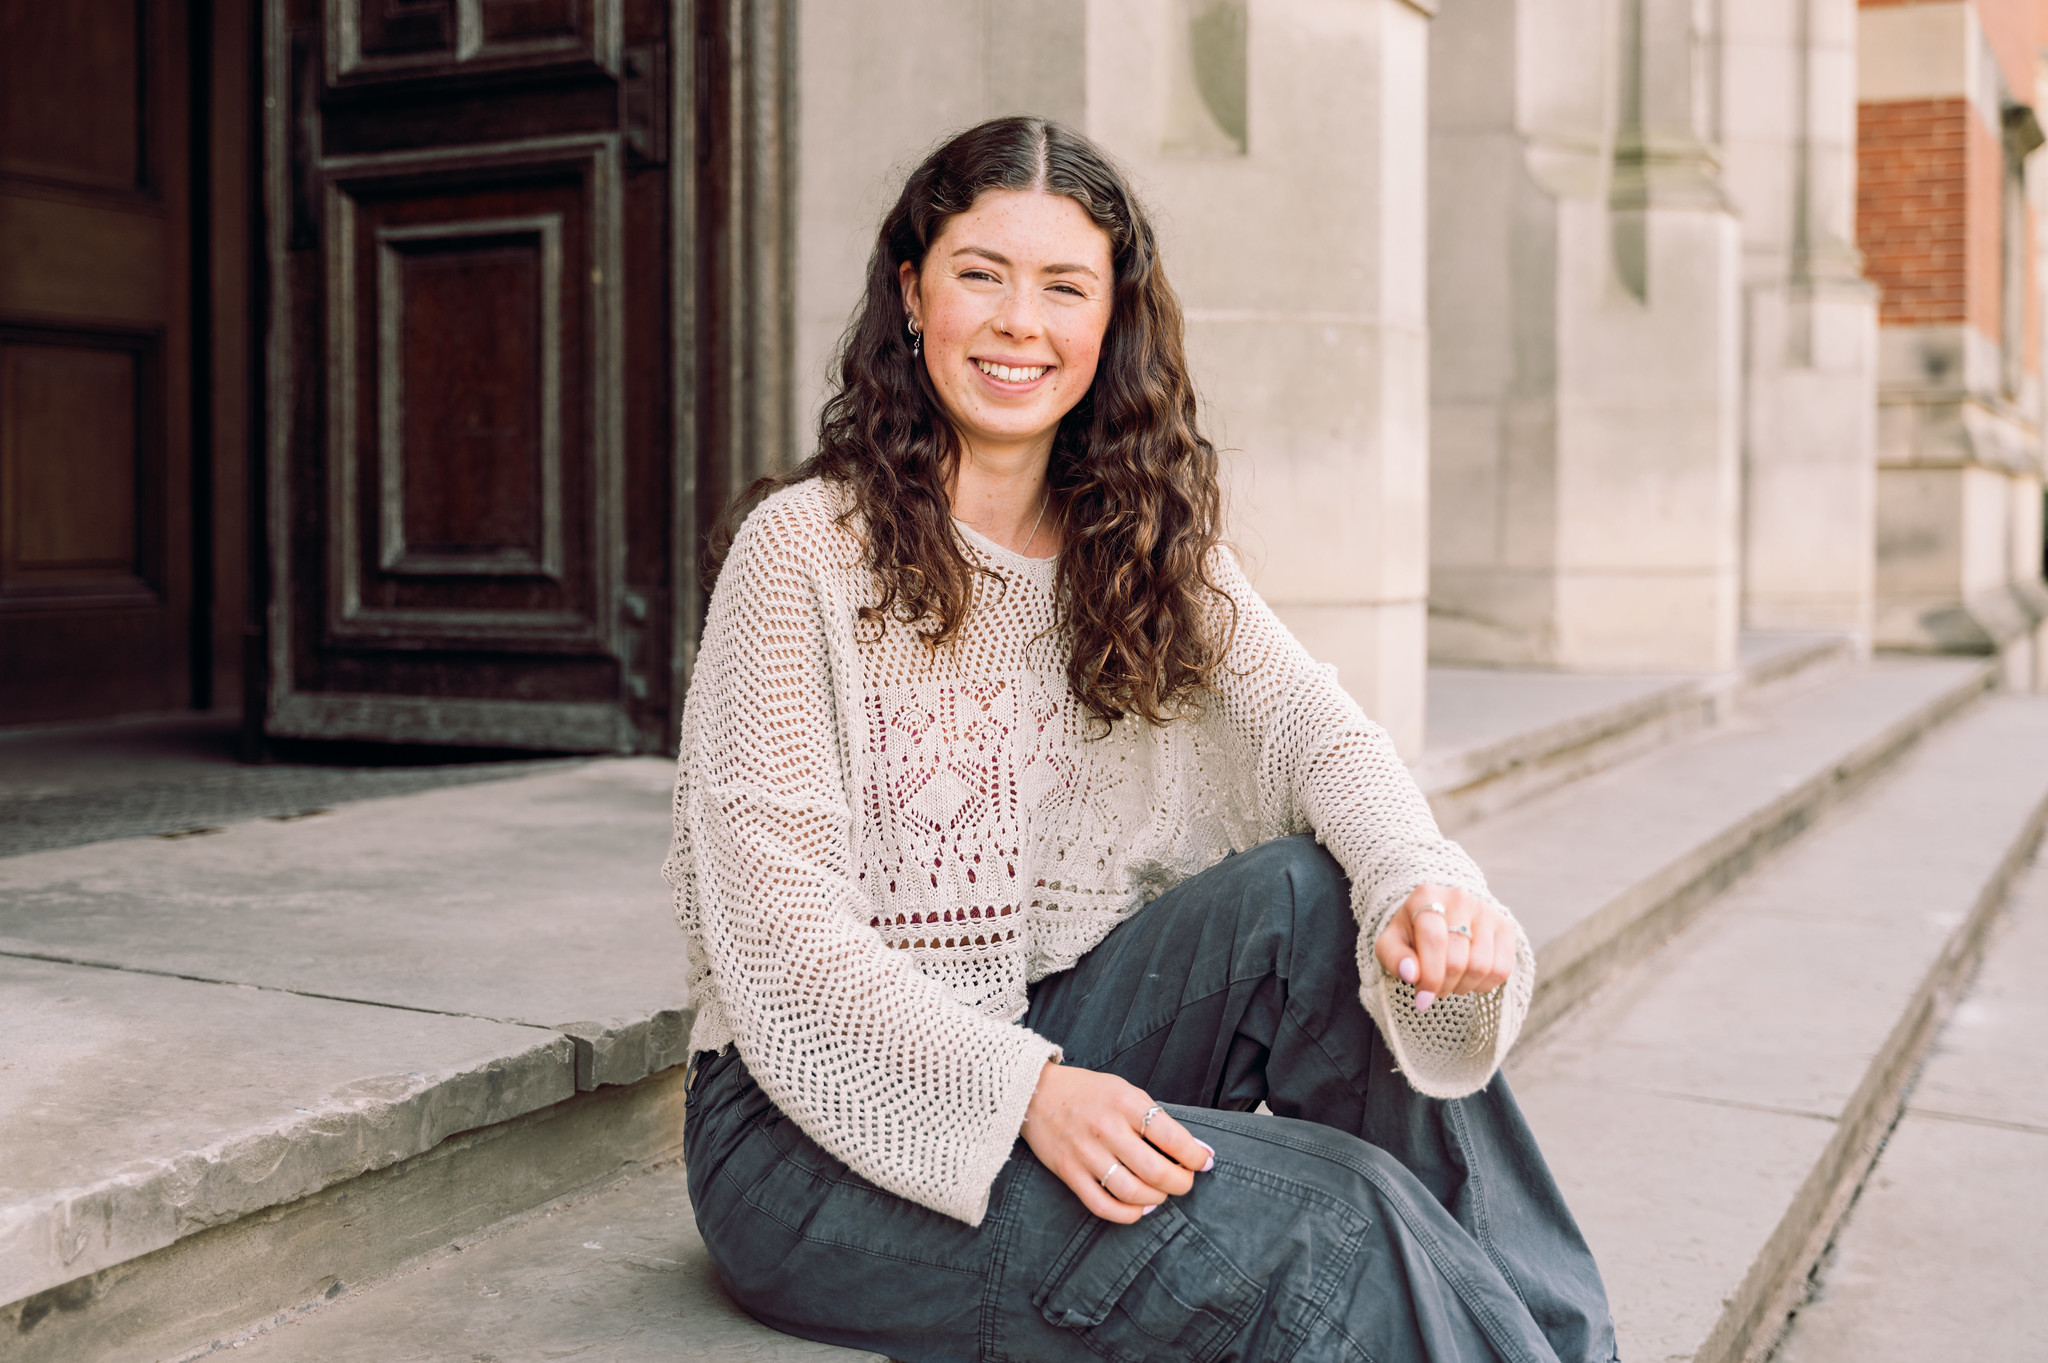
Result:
{"points": [[489, 341], [95, 360]]}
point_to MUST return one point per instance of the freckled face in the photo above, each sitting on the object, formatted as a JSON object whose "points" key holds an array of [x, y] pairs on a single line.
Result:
{"points": [[1013, 300]]}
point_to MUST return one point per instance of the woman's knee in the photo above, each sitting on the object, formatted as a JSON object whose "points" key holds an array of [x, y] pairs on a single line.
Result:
{"points": [[1309, 877]]}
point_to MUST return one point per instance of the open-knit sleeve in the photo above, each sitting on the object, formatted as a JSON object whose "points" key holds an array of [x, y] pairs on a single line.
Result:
{"points": [[912, 1088], [1321, 765]]}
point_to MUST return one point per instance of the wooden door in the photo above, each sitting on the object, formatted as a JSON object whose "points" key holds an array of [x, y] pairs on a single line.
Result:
{"points": [[95, 360], [488, 357]]}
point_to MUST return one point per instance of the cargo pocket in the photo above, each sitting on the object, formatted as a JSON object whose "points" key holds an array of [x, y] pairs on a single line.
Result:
{"points": [[1155, 1291]]}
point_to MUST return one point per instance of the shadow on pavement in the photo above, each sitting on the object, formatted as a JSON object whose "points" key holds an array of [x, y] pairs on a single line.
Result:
{"points": [[181, 777]]}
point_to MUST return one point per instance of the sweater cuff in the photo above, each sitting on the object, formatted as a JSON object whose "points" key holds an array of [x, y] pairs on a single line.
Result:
{"points": [[1457, 1046], [978, 1172]]}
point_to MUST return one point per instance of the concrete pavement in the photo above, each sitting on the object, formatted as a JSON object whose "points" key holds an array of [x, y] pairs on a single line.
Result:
{"points": [[1945, 1254]]}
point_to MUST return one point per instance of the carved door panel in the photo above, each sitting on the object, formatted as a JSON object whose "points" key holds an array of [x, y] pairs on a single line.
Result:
{"points": [[483, 425], [95, 472]]}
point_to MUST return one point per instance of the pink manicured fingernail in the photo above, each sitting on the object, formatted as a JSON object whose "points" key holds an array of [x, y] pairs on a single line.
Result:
{"points": [[1409, 970], [1423, 998], [1149, 1210]]}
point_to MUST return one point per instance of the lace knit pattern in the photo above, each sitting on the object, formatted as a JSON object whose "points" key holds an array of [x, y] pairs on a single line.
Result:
{"points": [[878, 845]]}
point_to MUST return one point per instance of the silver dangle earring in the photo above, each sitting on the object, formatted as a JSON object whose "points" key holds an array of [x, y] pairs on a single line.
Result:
{"points": [[916, 338]]}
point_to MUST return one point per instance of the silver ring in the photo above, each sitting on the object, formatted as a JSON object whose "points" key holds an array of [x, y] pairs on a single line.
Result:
{"points": [[1462, 929], [1150, 1113], [1115, 1167], [1431, 907]]}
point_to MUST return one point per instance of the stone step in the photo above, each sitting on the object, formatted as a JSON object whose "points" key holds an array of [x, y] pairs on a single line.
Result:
{"points": [[247, 1070], [296, 1057], [1965, 1170], [1602, 870], [617, 1273], [1710, 1112], [1498, 737], [218, 1282]]}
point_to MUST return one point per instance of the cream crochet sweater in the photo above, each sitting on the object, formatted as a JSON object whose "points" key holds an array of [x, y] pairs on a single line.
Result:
{"points": [[877, 845]]}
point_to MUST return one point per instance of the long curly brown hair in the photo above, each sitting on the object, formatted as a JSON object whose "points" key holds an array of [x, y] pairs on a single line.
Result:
{"points": [[1133, 481]]}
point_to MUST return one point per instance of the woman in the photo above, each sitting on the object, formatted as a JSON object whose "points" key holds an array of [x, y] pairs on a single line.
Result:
{"points": [[985, 1003]]}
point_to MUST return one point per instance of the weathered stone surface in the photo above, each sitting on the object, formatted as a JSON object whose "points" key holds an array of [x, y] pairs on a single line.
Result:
{"points": [[1668, 1246], [137, 1109], [1992, 1062], [620, 1050], [537, 900], [1708, 1112], [619, 1275], [361, 985], [273, 1265], [1942, 1256]]}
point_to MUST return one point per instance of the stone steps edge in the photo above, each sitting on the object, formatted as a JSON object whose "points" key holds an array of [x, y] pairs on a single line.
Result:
{"points": [[192, 1295], [158, 1202], [1471, 784], [1753, 1321], [1630, 926]]}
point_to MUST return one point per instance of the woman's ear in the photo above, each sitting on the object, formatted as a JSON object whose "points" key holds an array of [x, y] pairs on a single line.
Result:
{"points": [[906, 275]]}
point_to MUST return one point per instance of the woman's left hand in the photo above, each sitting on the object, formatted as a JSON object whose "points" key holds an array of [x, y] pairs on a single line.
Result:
{"points": [[1432, 950]]}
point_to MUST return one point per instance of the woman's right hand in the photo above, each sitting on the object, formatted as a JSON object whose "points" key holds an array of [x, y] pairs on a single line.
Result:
{"points": [[1081, 1122]]}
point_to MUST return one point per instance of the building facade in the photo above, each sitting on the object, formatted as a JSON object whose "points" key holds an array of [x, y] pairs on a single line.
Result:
{"points": [[1946, 127], [378, 365]]}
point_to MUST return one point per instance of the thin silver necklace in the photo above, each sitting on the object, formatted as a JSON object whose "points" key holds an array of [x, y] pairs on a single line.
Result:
{"points": [[1042, 504]]}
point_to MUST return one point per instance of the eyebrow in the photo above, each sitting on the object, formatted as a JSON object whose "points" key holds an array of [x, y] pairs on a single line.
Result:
{"points": [[996, 257]]}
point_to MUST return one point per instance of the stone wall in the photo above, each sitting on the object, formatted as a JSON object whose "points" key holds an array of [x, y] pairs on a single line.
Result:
{"points": [[1788, 147]]}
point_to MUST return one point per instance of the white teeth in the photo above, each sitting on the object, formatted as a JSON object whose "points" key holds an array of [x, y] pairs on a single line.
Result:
{"points": [[1004, 372]]}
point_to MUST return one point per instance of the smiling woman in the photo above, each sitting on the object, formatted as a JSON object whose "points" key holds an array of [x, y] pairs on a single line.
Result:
{"points": [[982, 712]]}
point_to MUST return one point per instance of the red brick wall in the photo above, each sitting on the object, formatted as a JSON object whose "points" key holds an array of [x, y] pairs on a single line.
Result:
{"points": [[1913, 189], [1930, 189], [1987, 228]]}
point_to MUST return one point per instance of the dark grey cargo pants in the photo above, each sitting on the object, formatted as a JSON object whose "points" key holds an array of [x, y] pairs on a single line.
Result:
{"points": [[1362, 1222]]}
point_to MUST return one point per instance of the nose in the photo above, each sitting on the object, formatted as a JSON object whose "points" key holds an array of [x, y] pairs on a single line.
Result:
{"points": [[1019, 317]]}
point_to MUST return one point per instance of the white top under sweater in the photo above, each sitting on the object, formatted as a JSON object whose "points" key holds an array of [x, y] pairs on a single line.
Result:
{"points": [[878, 845]]}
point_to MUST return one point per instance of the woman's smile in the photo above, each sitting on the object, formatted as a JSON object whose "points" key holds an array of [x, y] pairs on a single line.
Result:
{"points": [[1013, 375]]}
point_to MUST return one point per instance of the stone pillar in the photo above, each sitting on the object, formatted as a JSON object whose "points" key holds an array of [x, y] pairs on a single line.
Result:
{"points": [[1585, 316], [1282, 146], [1945, 133], [1810, 393]]}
